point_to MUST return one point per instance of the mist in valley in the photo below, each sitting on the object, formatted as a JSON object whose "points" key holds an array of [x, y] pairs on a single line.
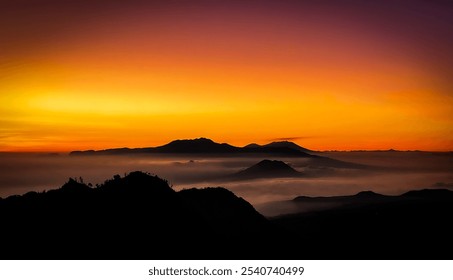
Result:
{"points": [[342, 173]]}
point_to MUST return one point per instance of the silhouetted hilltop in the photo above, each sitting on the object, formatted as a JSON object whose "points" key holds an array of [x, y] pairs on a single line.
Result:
{"points": [[140, 216], [287, 144], [136, 216], [359, 196], [306, 204], [279, 144], [414, 226], [199, 145], [252, 145], [207, 147], [368, 194], [267, 169]]}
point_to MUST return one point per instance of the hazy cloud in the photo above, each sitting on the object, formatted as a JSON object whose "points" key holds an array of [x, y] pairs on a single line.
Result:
{"points": [[20, 173], [292, 138]]}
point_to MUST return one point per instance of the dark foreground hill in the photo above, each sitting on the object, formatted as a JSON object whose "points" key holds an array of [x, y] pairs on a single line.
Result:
{"points": [[415, 225], [140, 217]]}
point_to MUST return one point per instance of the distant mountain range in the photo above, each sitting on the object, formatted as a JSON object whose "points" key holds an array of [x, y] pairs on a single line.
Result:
{"points": [[306, 204], [316, 165], [208, 147]]}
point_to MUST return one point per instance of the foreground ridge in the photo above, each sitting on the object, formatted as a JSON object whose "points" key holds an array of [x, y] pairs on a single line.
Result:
{"points": [[139, 216]]}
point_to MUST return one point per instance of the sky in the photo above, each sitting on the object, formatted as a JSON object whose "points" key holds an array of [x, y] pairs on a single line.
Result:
{"points": [[328, 75]]}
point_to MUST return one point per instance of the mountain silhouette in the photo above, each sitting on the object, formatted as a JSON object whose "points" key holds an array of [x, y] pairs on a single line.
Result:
{"points": [[369, 195], [199, 145], [279, 144], [252, 145], [310, 204], [207, 147], [305, 204], [139, 216], [414, 225], [136, 216], [267, 169], [287, 144]]}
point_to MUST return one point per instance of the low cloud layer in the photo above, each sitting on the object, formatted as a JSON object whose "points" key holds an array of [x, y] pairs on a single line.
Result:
{"points": [[387, 173]]}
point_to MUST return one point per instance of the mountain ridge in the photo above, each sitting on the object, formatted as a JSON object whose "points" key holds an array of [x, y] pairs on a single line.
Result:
{"points": [[139, 216], [207, 146], [135, 215], [306, 204]]}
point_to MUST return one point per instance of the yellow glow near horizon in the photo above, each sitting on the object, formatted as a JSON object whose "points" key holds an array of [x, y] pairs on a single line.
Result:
{"points": [[101, 89], [97, 121]]}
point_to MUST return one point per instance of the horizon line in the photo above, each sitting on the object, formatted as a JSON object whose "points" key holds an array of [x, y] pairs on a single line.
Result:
{"points": [[49, 151]]}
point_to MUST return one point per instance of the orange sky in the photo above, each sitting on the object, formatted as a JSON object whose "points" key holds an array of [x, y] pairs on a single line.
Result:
{"points": [[143, 74]]}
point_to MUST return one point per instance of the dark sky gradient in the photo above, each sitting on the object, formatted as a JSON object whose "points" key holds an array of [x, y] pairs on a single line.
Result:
{"points": [[423, 27]]}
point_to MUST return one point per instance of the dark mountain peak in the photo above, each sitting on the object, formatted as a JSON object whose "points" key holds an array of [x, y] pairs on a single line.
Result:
{"points": [[138, 183], [268, 168], [363, 196], [287, 144], [201, 140], [268, 164], [73, 186], [302, 198], [196, 141], [282, 148], [368, 194], [198, 145], [252, 145], [207, 147]]}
